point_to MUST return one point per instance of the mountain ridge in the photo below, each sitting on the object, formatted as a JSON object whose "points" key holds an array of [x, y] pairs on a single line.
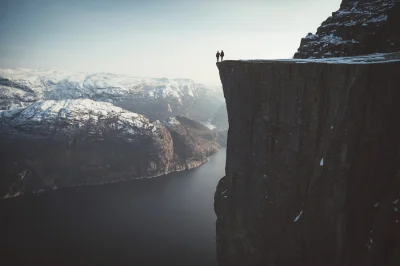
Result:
{"points": [[53, 144], [156, 98]]}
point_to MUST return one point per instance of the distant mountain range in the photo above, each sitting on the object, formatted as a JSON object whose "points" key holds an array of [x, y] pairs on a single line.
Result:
{"points": [[62, 130], [52, 144], [156, 98]]}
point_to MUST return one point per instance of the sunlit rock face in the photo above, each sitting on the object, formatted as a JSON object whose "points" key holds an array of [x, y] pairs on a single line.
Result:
{"points": [[357, 28], [313, 156], [156, 98], [61, 143]]}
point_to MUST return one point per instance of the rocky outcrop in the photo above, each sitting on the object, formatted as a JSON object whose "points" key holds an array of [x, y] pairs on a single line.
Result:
{"points": [[220, 119], [358, 28], [156, 98], [313, 156], [53, 144], [192, 141]]}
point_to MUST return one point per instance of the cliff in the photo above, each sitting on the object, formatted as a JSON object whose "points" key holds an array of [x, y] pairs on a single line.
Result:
{"points": [[358, 28], [192, 142], [312, 169], [54, 144]]}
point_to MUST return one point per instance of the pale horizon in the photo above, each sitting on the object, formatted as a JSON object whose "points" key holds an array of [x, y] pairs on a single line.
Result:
{"points": [[173, 39]]}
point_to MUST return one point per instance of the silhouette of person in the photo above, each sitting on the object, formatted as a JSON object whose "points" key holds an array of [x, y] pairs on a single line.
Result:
{"points": [[217, 56], [222, 55]]}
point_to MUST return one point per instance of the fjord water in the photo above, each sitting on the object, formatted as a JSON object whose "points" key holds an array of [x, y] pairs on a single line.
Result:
{"points": [[167, 220]]}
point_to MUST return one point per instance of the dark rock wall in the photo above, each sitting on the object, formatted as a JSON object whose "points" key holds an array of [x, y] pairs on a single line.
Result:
{"points": [[312, 170], [357, 28]]}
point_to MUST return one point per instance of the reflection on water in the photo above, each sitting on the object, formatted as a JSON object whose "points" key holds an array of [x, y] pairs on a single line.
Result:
{"points": [[166, 220]]}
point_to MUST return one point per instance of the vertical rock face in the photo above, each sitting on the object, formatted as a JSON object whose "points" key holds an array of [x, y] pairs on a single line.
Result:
{"points": [[357, 28], [312, 172]]}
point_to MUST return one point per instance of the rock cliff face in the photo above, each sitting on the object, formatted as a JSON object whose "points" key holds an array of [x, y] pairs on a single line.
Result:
{"points": [[53, 144], [192, 142], [313, 156], [357, 28]]}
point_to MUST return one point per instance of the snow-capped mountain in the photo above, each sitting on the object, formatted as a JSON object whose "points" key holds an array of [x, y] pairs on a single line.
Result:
{"points": [[61, 129], [71, 116], [357, 28], [156, 98], [61, 143]]}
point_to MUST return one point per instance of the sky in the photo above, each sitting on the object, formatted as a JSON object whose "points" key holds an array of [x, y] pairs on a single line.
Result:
{"points": [[153, 38]]}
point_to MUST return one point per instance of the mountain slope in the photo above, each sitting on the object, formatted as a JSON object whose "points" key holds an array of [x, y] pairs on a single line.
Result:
{"points": [[154, 98], [52, 144]]}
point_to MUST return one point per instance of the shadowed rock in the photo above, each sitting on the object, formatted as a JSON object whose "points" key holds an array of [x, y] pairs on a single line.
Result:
{"points": [[357, 28], [313, 155]]}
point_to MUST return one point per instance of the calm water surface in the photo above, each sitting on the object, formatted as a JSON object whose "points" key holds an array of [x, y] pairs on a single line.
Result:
{"points": [[165, 220]]}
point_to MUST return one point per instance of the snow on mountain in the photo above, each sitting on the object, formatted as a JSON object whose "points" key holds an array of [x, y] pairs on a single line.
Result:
{"points": [[63, 143], [72, 115], [156, 98], [357, 28], [54, 85], [172, 121]]}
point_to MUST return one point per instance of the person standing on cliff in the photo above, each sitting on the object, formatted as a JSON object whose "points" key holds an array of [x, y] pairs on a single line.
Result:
{"points": [[222, 55], [217, 56]]}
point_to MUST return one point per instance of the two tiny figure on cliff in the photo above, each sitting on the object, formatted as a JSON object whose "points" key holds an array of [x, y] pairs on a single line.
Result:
{"points": [[220, 55]]}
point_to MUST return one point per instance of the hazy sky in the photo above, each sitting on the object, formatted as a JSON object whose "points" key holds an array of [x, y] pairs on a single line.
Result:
{"points": [[160, 38]]}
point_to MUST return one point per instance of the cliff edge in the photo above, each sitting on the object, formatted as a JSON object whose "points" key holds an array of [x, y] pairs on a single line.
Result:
{"points": [[312, 170]]}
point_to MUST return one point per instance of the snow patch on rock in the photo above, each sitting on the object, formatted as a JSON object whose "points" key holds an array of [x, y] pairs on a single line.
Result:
{"points": [[75, 114], [298, 217], [172, 121]]}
